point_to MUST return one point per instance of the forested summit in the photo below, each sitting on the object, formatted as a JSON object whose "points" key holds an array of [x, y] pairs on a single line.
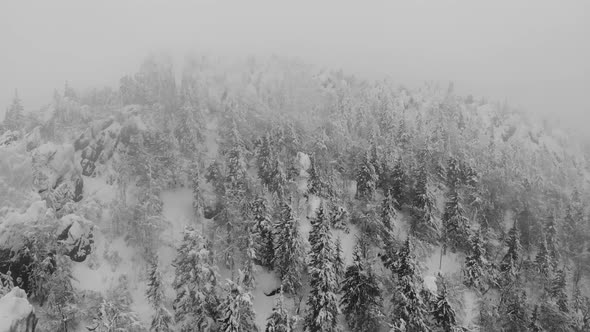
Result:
{"points": [[366, 206]]}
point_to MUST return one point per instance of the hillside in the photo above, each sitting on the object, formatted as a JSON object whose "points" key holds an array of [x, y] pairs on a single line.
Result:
{"points": [[268, 191]]}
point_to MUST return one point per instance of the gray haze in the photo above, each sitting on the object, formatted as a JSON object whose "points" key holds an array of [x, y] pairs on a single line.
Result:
{"points": [[535, 54]]}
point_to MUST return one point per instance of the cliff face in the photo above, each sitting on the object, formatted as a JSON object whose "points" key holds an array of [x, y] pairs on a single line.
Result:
{"points": [[16, 313]]}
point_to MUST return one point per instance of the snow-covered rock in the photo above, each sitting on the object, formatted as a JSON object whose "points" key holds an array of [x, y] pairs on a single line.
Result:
{"points": [[9, 137], [16, 313], [54, 168], [76, 233]]}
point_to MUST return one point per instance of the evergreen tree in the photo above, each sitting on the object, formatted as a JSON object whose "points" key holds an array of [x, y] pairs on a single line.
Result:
{"points": [[398, 184], [514, 307], [574, 225], [558, 290], [264, 159], [543, 259], [314, 183], [288, 258], [237, 313], [235, 156], [423, 225], [551, 238], [198, 201], [278, 179], [14, 117], [456, 225], [361, 295], [476, 270], [509, 264], [388, 211], [409, 310], [195, 283], [444, 314], [366, 179], [249, 269], [215, 177], [162, 319], [535, 326], [279, 320], [322, 302], [525, 224], [188, 130], [263, 227], [317, 184], [339, 260]]}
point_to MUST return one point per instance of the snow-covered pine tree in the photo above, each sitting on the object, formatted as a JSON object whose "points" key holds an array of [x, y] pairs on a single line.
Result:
{"points": [[215, 177], [237, 312], [263, 229], [314, 182], [264, 159], [398, 184], [573, 225], [375, 162], [558, 290], [388, 211], [514, 309], [278, 180], [509, 266], [198, 201], [288, 257], [195, 283], [188, 130], [525, 223], [409, 310], [444, 314], [339, 260], [322, 302], [551, 238], [235, 159], [534, 325], [249, 270], [424, 225], [14, 117], [455, 224], [476, 269], [543, 260], [366, 179], [279, 319], [162, 319], [361, 296]]}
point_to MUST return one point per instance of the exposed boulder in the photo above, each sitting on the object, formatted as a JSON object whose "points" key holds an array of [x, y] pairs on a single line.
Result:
{"points": [[84, 140], [52, 164], [56, 176], [16, 313], [76, 233], [101, 147]]}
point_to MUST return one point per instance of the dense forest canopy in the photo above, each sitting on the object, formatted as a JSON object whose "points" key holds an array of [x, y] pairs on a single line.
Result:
{"points": [[367, 206]]}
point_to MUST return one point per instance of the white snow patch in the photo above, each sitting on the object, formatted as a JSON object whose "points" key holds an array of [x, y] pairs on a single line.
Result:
{"points": [[430, 284], [14, 310], [265, 282], [178, 210], [98, 189]]}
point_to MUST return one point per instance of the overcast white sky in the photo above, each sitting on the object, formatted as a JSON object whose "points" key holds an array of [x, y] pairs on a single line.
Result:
{"points": [[535, 54]]}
